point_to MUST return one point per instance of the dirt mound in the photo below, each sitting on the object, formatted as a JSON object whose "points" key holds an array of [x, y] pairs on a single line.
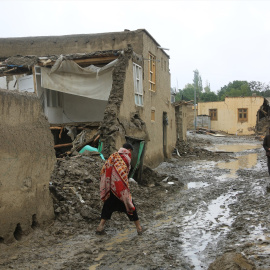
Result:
{"points": [[75, 188], [232, 261], [194, 149]]}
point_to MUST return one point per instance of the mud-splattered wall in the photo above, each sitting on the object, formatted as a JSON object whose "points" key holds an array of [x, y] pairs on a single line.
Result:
{"points": [[27, 160]]}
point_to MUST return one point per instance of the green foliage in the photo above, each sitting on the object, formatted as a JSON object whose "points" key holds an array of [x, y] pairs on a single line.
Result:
{"points": [[187, 93], [197, 81], [207, 88], [210, 96], [178, 96], [260, 89], [235, 89]]}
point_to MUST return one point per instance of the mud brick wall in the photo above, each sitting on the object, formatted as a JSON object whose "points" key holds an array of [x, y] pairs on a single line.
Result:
{"points": [[26, 162], [181, 122]]}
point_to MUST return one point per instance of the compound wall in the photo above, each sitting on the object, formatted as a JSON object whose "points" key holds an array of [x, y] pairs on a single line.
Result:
{"points": [[26, 162]]}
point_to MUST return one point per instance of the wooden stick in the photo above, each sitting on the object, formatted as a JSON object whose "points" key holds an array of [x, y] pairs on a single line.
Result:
{"points": [[55, 127], [62, 145], [60, 134]]}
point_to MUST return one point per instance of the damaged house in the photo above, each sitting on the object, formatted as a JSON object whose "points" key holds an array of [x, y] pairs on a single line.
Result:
{"points": [[263, 117], [101, 89]]}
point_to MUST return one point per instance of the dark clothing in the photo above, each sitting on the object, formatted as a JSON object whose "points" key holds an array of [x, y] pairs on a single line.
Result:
{"points": [[268, 164], [266, 146], [113, 204]]}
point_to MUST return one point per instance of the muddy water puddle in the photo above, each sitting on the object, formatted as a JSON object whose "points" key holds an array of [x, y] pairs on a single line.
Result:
{"points": [[196, 185], [233, 147], [201, 229], [246, 161], [242, 162]]}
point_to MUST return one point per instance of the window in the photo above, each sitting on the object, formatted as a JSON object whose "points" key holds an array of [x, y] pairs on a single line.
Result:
{"points": [[213, 114], [152, 72], [242, 115], [53, 98], [138, 86], [153, 115]]}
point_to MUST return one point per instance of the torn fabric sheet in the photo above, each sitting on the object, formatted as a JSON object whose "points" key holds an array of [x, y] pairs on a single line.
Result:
{"points": [[68, 77]]}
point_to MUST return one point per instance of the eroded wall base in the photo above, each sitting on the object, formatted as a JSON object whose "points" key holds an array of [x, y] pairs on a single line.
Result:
{"points": [[27, 160]]}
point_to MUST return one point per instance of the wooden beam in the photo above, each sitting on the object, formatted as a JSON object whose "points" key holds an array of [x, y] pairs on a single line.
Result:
{"points": [[86, 61], [55, 127], [95, 60], [62, 145]]}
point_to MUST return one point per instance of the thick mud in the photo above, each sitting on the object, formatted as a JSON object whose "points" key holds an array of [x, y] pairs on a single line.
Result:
{"points": [[202, 210]]}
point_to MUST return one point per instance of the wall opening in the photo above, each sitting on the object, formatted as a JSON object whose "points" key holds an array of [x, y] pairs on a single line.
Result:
{"points": [[18, 232], [164, 131], [137, 158], [34, 222], [1, 240]]}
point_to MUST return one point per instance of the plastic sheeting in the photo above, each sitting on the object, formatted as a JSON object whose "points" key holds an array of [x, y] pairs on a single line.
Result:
{"points": [[68, 77]]}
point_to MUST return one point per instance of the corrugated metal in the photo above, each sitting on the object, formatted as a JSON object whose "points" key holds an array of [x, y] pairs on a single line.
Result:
{"points": [[203, 121]]}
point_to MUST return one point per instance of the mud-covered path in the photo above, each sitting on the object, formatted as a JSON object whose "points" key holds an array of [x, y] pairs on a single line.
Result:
{"points": [[223, 207]]}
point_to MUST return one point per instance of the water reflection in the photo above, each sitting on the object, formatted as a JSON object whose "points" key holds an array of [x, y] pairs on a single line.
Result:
{"points": [[196, 185], [234, 147], [242, 162], [205, 226]]}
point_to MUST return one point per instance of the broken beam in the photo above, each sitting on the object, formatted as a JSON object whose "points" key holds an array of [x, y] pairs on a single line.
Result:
{"points": [[88, 61], [62, 145]]}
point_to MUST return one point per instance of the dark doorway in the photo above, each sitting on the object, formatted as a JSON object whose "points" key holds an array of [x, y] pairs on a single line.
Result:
{"points": [[165, 124], [137, 158]]}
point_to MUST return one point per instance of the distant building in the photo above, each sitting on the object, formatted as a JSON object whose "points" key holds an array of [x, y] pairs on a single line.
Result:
{"points": [[235, 115]]}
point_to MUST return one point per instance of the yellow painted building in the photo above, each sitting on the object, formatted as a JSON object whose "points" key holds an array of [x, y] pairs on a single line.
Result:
{"points": [[235, 115]]}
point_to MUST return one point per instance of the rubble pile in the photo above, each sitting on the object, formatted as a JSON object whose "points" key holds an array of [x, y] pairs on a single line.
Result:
{"points": [[262, 126], [75, 189], [191, 149]]}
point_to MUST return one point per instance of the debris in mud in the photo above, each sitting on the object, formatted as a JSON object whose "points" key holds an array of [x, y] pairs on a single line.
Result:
{"points": [[186, 150], [75, 188], [232, 261]]}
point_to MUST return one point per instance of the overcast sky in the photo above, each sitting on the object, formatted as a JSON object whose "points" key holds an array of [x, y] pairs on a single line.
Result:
{"points": [[224, 40]]}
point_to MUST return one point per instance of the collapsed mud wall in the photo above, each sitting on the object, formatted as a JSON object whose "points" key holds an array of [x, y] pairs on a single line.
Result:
{"points": [[113, 128], [27, 161], [263, 118], [110, 125]]}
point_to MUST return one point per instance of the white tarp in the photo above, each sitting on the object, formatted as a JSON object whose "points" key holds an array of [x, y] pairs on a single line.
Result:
{"points": [[26, 83], [68, 77]]}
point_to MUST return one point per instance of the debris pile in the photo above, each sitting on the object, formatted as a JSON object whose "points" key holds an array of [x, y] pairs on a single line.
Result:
{"points": [[187, 149], [75, 188], [205, 131], [262, 126]]}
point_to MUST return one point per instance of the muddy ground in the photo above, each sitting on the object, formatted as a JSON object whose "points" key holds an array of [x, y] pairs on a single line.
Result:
{"points": [[196, 207]]}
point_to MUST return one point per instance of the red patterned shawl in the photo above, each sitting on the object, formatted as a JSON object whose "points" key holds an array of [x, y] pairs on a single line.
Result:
{"points": [[114, 177]]}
